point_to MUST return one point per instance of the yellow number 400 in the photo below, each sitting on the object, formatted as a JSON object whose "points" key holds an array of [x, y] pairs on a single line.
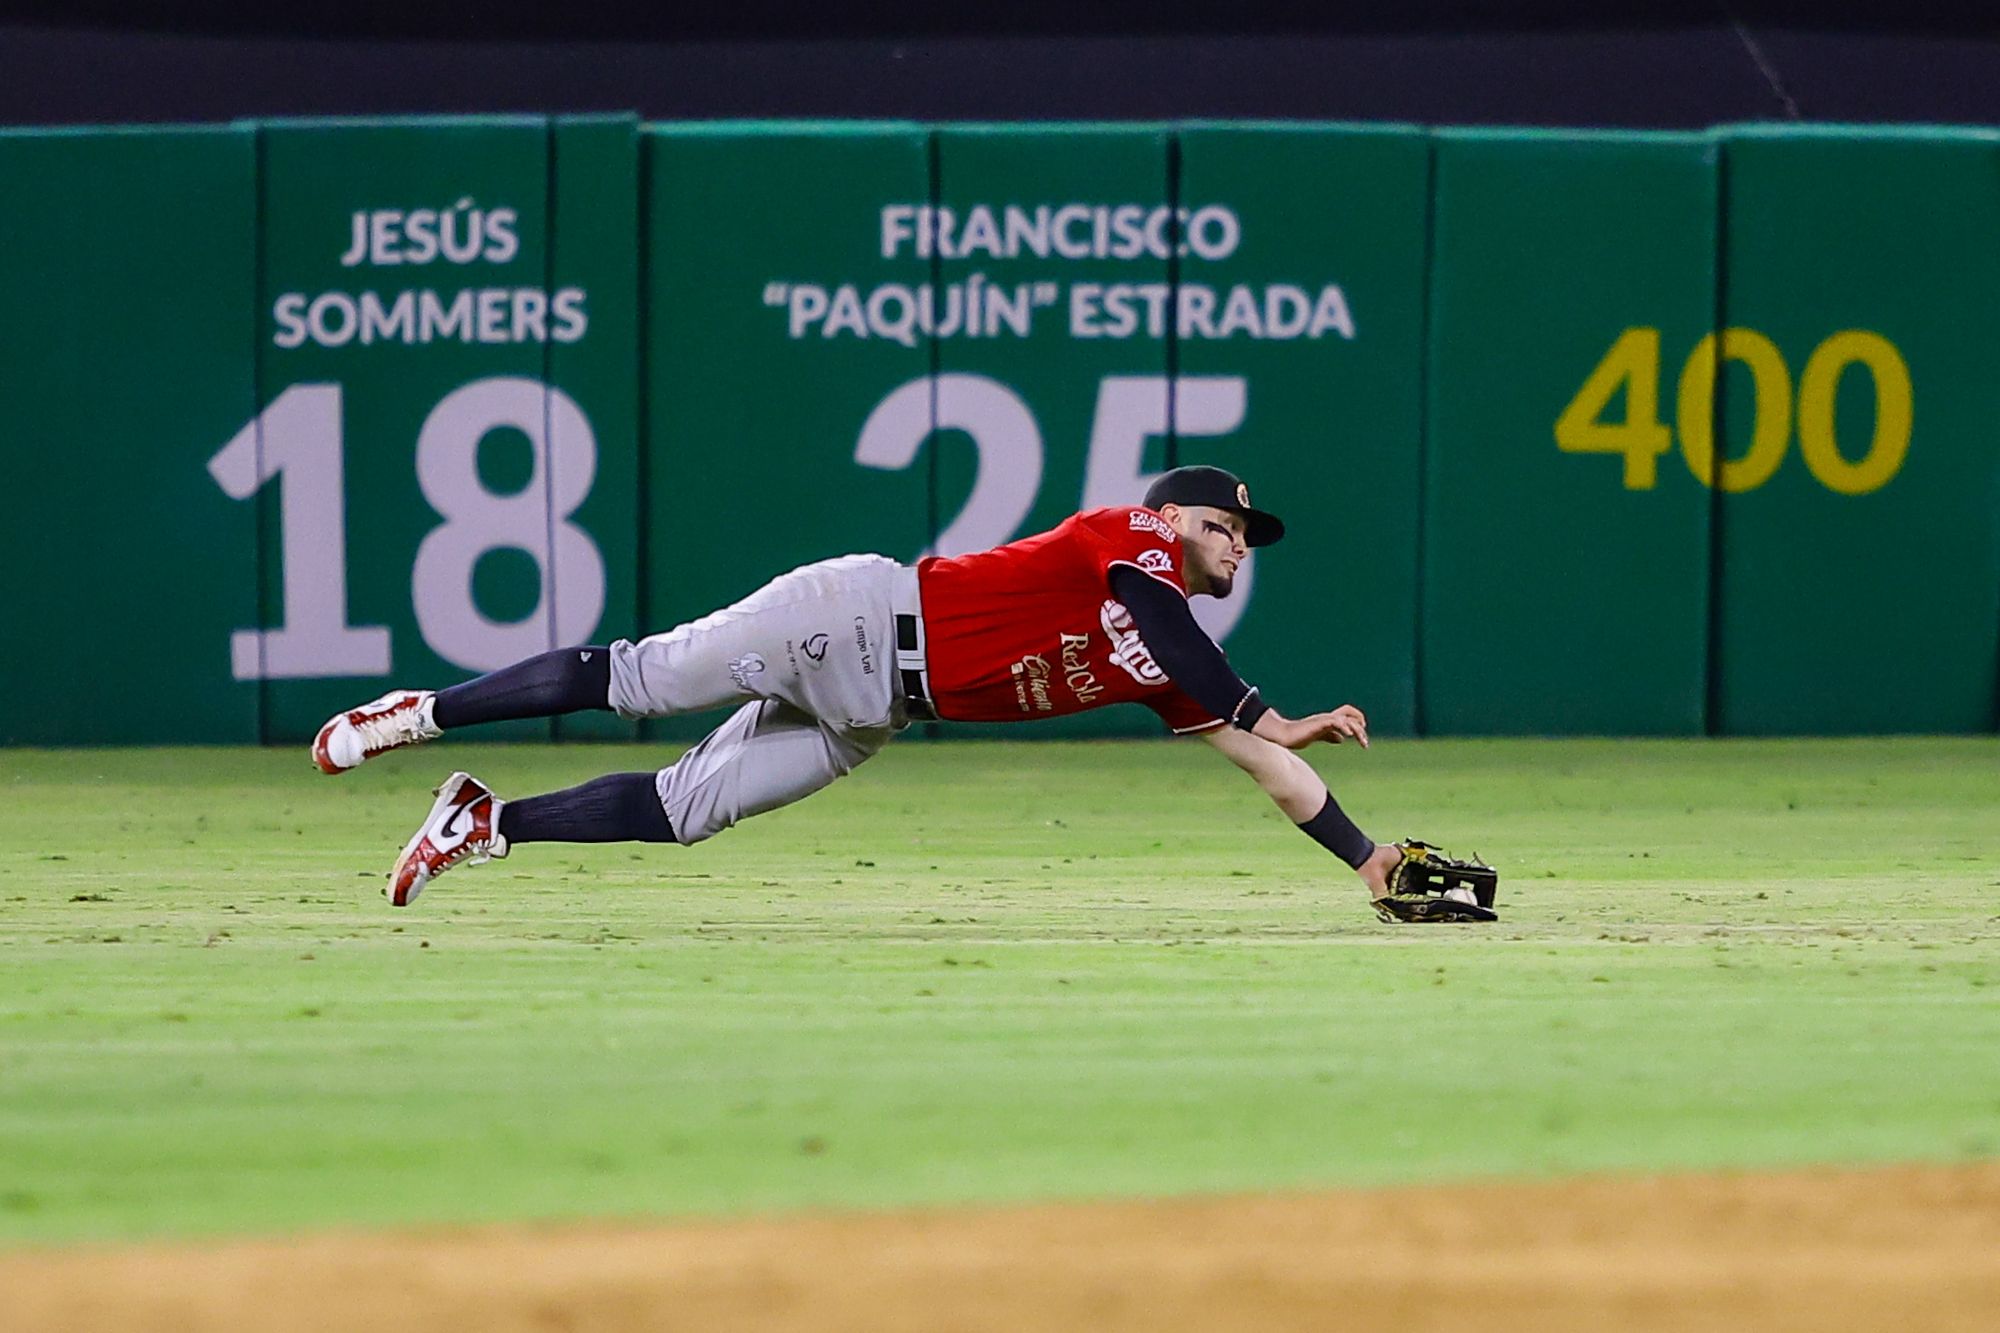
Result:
{"points": [[1633, 364]]}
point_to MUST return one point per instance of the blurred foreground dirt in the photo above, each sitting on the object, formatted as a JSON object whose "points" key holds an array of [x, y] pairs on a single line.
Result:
{"points": [[1904, 1247]]}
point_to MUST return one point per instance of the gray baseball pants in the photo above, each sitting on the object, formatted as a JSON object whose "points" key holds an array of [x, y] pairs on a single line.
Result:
{"points": [[810, 656]]}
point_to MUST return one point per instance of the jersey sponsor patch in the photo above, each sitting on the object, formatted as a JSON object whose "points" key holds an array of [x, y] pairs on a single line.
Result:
{"points": [[1031, 684], [1156, 561], [1145, 520]]}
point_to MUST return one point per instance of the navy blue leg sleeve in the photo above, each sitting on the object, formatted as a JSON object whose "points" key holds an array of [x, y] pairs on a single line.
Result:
{"points": [[621, 807], [568, 680]]}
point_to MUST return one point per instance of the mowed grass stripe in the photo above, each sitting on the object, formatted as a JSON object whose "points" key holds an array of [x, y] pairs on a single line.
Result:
{"points": [[978, 972]]}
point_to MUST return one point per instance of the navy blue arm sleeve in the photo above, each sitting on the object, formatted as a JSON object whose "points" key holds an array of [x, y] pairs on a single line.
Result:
{"points": [[1183, 650]]}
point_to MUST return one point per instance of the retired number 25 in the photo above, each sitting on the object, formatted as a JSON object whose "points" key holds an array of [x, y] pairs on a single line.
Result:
{"points": [[1130, 408]]}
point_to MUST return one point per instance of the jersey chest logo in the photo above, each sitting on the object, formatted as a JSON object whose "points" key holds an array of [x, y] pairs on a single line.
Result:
{"points": [[1128, 650]]}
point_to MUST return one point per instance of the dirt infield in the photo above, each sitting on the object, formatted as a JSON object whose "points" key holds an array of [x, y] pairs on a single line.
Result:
{"points": [[1899, 1248]]}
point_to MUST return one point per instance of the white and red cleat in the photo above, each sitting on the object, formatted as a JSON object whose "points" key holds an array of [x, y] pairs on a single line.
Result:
{"points": [[463, 825], [398, 718]]}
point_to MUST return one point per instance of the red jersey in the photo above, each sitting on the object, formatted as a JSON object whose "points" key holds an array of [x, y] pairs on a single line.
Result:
{"points": [[1030, 629]]}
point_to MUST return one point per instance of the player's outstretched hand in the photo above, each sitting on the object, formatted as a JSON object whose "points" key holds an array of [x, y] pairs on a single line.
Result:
{"points": [[1346, 721]]}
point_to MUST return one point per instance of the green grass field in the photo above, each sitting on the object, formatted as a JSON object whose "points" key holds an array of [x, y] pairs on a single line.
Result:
{"points": [[978, 972]]}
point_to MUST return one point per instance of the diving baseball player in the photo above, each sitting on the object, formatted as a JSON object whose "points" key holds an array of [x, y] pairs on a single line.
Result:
{"points": [[827, 663]]}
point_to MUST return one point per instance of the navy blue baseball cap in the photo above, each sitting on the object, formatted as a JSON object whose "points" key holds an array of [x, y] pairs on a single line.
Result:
{"points": [[1218, 489]]}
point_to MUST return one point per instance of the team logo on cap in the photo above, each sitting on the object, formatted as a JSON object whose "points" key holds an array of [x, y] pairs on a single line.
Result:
{"points": [[1242, 495]]}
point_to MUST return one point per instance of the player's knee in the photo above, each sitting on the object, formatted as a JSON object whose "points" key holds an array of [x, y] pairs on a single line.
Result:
{"points": [[700, 815]]}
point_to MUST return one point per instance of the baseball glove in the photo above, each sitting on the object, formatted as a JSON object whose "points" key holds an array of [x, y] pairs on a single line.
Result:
{"points": [[1427, 885]]}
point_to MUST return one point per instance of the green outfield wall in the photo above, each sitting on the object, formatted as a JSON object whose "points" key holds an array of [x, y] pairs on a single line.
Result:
{"points": [[1612, 433]]}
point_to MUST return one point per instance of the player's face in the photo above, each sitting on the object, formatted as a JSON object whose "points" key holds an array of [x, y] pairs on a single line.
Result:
{"points": [[1215, 547]]}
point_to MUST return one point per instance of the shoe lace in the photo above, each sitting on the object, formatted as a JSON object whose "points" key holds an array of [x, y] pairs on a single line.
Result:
{"points": [[397, 726], [477, 850]]}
